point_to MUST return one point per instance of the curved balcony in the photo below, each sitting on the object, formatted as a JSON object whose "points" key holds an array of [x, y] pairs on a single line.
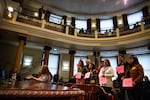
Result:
{"points": [[30, 26]]}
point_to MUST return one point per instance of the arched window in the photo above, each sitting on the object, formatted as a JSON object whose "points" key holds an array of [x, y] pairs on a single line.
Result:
{"points": [[106, 24]]}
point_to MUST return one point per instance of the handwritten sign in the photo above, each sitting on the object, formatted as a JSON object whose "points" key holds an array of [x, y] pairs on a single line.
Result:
{"points": [[102, 80], [87, 75], [78, 75], [127, 82], [120, 69]]}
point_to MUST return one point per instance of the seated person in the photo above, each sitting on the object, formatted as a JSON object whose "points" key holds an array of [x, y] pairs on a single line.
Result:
{"points": [[44, 75], [81, 31]]}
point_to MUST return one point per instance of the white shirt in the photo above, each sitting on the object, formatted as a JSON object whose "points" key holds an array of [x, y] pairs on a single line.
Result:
{"points": [[108, 72]]}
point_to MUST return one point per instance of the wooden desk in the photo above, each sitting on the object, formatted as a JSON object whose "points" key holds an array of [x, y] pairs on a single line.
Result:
{"points": [[37, 90]]}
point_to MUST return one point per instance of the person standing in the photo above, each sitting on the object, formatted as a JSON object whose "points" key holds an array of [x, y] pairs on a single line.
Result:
{"points": [[41, 12], [135, 71], [124, 64], [106, 73], [92, 71]]}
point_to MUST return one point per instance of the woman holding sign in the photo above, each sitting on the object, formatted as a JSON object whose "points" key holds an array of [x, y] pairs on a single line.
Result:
{"points": [[105, 76], [120, 69], [136, 73]]}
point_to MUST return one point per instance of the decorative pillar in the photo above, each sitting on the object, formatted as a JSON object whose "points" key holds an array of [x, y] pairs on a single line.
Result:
{"points": [[96, 34], [71, 52], [67, 29], [75, 32], [96, 54], [43, 23], [15, 14], [117, 32], [46, 56], [22, 41], [142, 26], [64, 23]]}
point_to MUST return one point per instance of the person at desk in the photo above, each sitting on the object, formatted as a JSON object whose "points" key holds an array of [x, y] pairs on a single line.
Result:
{"points": [[44, 75]]}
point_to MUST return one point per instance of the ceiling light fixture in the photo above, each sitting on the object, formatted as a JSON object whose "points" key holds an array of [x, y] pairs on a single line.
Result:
{"points": [[10, 9], [125, 2]]}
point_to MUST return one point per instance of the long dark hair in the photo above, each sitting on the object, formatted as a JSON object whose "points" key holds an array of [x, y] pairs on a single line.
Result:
{"points": [[108, 62], [136, 61]]}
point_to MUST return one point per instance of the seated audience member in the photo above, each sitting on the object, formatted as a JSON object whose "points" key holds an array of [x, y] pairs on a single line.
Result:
{"points": [[44, 75], [81, 31], [56, 78]]}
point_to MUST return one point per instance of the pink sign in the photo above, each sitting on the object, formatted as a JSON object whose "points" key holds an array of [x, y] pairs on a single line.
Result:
{"points": [[78, 75], [87, 75], [127, 82], [120, 69], [102, 80]]}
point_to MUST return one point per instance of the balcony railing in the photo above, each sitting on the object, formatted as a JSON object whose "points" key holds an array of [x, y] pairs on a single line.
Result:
{"points": [[69, 30]]}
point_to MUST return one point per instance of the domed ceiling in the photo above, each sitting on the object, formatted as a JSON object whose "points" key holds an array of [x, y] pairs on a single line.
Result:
{"points": [[85, 8], [92, 7]]}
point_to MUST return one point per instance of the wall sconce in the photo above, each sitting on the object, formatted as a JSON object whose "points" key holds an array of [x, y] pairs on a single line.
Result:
{"points": [[65, 66], [68, 22], [27, 61], [120, 21], [36, 14], [93, 25], [10, 11]]}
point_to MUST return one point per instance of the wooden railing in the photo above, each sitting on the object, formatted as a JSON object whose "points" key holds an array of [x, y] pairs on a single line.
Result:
{"points": [[93, 91], [35, 21]]}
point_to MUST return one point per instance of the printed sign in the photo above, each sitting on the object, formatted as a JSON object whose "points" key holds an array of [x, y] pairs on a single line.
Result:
{"points": [[120, 69], [78, 75], [127, 82], [102, 80], [87, 75]]}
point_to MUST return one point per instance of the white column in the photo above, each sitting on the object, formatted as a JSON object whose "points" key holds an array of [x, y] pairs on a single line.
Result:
{"points": [[117, 32], [67, 29], [96, 34], [142, 26], [15, 14], [75, 32]]}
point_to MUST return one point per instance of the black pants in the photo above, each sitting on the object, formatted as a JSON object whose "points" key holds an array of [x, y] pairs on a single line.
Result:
{"points": [[122, 94], [135, 93], [108, 90]]}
